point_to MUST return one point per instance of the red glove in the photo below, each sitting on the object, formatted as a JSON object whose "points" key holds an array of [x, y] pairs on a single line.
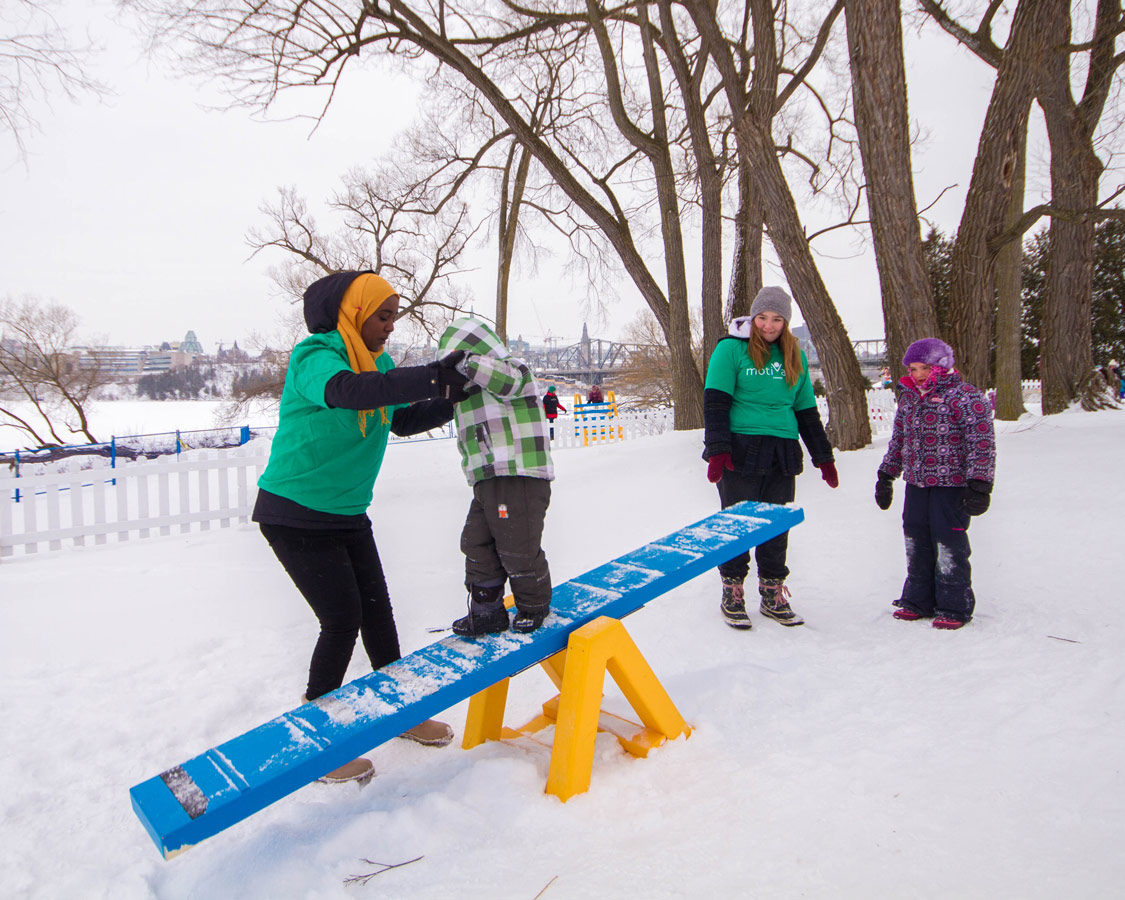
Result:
{"points": [[828, 473], [715, 466]]}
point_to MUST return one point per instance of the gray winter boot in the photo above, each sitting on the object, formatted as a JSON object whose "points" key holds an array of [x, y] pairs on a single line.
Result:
{"points": [[733, 604], [774, 603]]}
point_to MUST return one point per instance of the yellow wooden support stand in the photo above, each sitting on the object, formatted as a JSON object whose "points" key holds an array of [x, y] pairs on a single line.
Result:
{"points": [[579, 673], [598, 426]]}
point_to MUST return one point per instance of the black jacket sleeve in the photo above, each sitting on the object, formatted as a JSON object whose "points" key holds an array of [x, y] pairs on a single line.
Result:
{"points": [[812, 433], [716, 422], [370, 390], [419, 417]]}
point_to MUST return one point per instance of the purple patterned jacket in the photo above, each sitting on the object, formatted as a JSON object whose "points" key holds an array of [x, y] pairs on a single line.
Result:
{"points": [[942, 438]]}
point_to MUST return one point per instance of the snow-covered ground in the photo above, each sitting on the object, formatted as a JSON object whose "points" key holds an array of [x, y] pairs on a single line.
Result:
{"points": [[856, 757]]}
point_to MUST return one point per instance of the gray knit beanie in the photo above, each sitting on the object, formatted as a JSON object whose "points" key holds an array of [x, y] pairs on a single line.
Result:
{"points": [[773, 299]]}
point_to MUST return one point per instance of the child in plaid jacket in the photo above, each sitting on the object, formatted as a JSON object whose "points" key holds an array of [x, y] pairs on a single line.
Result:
{"points": [[505, 452]]}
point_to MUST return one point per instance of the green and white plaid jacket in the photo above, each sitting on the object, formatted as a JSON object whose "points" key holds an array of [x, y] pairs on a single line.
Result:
{"points": [[502, 429]]}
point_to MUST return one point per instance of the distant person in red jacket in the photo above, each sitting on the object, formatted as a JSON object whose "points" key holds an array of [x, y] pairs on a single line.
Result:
{"points": [[595, 394], [551, 407]]}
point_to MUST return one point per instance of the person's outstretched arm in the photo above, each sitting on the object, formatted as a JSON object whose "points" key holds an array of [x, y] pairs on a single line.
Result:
{"points": [[406, 384], [424, 415]]}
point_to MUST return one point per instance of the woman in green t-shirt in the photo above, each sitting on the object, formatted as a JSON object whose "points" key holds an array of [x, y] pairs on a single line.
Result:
{"points": [[342, 398], [757, 401]]}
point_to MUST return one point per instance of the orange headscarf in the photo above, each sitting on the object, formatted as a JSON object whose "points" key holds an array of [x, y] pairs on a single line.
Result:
{"points": [[362, 298]]}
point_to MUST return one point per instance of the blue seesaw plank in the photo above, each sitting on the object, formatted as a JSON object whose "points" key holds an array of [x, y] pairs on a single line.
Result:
{"points": [[212, 791]]}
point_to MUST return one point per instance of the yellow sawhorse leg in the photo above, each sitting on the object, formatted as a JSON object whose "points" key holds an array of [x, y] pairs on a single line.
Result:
{"points": [[579, 673]]}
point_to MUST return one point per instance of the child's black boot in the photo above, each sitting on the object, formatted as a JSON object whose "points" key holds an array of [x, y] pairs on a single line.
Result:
{"points": [[487, 614], [527, 620]]}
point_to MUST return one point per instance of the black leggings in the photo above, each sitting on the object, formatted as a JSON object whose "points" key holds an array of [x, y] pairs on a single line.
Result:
{"points": [[735, 487], [339, 574]]}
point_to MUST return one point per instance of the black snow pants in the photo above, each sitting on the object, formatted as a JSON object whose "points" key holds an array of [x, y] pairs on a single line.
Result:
{"points": [[734, 487], [502, 539], [340, 576]]}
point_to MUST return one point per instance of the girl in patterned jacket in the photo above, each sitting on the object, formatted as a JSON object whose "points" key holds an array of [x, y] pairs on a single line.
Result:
{"points": [[944, 447], [506, 455]]}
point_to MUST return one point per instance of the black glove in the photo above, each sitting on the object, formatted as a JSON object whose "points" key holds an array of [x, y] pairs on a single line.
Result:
{"points": [[451, 383], [884, 489], [976, 498]]}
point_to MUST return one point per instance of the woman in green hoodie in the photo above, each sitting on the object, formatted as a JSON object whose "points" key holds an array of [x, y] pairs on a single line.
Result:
{"points": [[342, 398]]}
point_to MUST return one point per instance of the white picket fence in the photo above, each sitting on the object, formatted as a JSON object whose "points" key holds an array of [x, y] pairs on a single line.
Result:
{"points": [[135, 499], [603, 429], [173, 494], [206, 487]]}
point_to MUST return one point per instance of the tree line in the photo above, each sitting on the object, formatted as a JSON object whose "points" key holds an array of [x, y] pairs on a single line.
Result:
{"points": [[658, 138], [35, 363]]}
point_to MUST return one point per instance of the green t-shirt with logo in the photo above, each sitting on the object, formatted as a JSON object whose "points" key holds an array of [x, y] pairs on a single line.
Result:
{"points": [[319, 457], [762, 403]]}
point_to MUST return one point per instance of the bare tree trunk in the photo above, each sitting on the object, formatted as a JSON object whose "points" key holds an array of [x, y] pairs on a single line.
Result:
{"points": [[849, 427], [986, 203], [1066, 337], [509, 228], [709, 175], [746, 267], [1040, 44], [1065, 332], [883, 126], [687, 385], [1009, 307]]}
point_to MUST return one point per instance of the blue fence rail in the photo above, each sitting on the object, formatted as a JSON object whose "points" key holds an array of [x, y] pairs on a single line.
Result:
{"points": [[135, 446], [162, 443]]}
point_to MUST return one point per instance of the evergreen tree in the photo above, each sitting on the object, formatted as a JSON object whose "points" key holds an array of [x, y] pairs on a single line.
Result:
{"points": [[937, 250], [1109, 292], [1108, 309]]}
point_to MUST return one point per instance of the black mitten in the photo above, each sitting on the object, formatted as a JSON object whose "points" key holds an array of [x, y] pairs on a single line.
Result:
{"points": [[977, 497], [884, 489], [451, 383]]}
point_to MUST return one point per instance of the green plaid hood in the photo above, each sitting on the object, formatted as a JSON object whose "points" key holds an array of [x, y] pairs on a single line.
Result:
{"points": [[501, 429]]}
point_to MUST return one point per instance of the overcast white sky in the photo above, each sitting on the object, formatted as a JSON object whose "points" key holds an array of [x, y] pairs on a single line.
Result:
{"points": [[133, 210]]}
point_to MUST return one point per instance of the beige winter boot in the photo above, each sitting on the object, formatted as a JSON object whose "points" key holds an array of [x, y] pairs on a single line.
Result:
{"points": [[359, 770], [431, 733]]}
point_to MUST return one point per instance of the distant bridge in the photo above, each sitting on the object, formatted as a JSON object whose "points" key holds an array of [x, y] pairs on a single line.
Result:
{"points": [[873, 352], [592, 360]]}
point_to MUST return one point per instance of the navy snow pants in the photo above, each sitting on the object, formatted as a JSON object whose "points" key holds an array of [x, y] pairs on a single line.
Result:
{"points": [[938, 577]]}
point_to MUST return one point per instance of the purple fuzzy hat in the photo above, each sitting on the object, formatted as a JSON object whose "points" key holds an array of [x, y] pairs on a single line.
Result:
{"points": [[930, 352]]}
